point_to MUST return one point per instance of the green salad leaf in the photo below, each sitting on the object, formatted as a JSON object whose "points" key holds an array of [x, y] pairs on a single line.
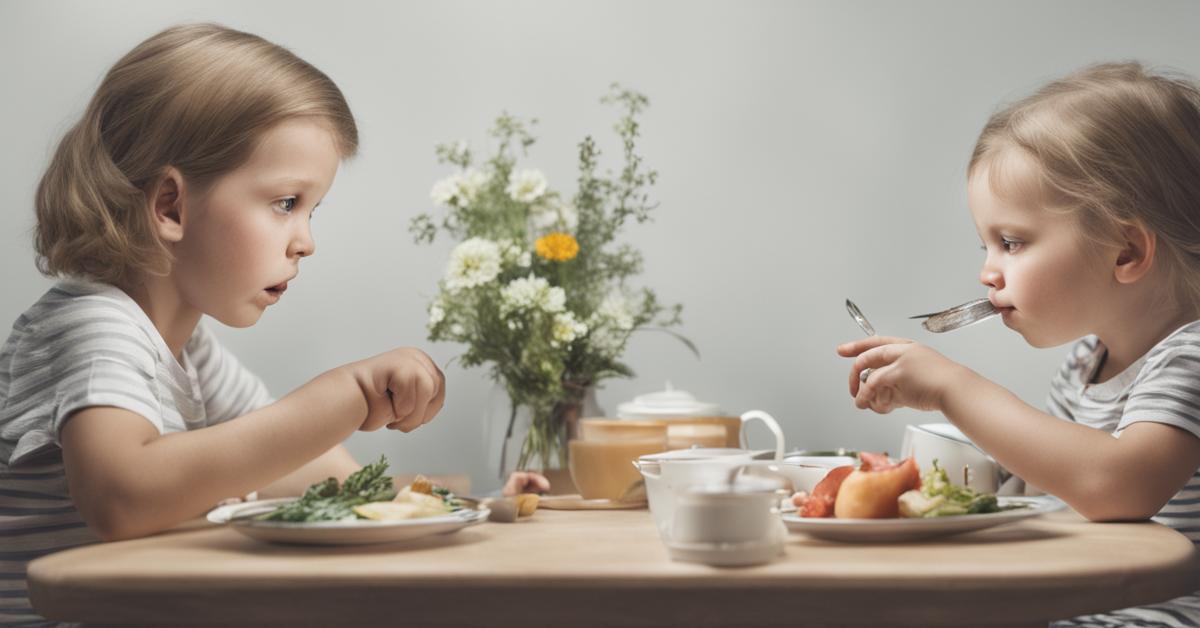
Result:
{"points": [[325, 501], [938, 497]]}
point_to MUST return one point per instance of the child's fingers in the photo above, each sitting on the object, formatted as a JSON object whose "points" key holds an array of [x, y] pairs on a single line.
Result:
{"points": [[538, 481], [379, 413], [404, 395], [878, 357], [872, 359], [423, 391], [877, 391], [524, 482], [855, 347], [439, 399]]}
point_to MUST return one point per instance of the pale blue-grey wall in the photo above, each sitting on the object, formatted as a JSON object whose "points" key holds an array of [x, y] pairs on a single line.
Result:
{"points": [[808, 151]]}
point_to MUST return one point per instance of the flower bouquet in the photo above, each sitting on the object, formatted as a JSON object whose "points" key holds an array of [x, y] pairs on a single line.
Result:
{"points": [[536, 287]]}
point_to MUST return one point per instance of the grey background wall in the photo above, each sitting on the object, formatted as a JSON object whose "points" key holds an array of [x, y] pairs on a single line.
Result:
{"points": [[808, 152]]}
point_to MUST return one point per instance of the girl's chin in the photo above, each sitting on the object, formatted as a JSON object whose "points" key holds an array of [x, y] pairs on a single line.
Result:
{"points": [[239, 318]]}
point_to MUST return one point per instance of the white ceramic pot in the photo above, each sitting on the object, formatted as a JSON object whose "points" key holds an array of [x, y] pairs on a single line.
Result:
{"points": [[965, 464], [669, 476]]}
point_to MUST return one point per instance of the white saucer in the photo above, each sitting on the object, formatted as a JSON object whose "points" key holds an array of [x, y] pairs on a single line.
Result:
{"points": [[726, 554]]}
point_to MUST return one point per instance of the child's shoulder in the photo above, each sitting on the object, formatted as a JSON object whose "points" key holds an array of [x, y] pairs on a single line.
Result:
{"points": [[1182, 344], [76, 317]]}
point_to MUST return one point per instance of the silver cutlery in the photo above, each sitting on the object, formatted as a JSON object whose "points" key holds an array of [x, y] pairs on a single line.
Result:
{"points": [[958, 316], [867, 328]]}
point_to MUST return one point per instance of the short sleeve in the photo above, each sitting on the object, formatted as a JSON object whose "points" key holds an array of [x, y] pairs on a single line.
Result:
{"points": [[100, 363], [1167, 391], [110, 380], [229, 388]]}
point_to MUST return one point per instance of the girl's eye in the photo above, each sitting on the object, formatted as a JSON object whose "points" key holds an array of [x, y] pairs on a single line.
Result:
{"points": [[286, 205], [1010, 245]]}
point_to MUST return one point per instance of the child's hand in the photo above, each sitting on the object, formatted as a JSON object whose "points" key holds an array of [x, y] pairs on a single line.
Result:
{"points": [[404, 389], [904, 374], [525, 482]]}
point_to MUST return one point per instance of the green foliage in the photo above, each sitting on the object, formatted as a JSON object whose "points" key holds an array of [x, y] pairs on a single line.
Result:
{"points": [[547, 322], [324, 501]]}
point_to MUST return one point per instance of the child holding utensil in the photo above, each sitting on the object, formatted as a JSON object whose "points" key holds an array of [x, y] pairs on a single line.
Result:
{"points": [[1086, 195], [186, 189]]}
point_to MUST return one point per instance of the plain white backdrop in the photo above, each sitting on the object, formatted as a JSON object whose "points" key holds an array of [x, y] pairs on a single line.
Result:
{"points": [[808, 152]]}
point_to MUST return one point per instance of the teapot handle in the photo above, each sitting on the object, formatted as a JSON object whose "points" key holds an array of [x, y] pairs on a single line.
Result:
{"points": [[771, 424]]}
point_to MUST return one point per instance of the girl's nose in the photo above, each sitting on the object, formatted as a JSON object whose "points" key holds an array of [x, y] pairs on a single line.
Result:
{"points": [[991, 277], [302, 244]]}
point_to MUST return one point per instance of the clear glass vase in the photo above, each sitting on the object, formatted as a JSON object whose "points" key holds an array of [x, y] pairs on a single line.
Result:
{"points": [[507, 431]]}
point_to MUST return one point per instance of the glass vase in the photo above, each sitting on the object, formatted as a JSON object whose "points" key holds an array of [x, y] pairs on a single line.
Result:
{"points": [[511, 447]]}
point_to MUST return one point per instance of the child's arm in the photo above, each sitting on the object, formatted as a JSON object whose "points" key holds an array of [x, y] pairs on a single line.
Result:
{"points": [[1101, 477], [335, 463], [127, 480]]}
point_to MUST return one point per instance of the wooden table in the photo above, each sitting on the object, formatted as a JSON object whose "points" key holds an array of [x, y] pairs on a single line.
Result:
{"points": [[609, 568]]}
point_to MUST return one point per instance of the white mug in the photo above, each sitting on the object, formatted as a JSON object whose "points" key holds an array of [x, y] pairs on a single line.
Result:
{"points": [[965, 464], [711, 515]]}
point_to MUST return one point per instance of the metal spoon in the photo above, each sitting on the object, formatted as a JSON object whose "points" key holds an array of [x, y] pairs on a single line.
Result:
{"points": [[958, 316], [867, 328]]}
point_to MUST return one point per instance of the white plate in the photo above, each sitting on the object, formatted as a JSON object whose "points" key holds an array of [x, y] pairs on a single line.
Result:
{"points": [[885, 530], [356, 532]]}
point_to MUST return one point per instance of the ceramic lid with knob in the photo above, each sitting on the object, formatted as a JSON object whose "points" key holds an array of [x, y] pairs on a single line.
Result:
{"points": [[703, 453], [666, 404]]}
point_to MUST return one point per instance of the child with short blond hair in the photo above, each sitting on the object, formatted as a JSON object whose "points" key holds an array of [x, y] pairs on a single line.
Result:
{"points": [[1087, 198], [185, 190]]}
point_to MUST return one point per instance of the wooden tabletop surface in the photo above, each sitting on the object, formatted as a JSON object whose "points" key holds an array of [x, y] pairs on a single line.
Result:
{"points": [[580, 568]]}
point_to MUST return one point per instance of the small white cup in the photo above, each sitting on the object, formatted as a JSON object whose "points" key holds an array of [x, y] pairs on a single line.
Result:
{"points": [[727, 524]]}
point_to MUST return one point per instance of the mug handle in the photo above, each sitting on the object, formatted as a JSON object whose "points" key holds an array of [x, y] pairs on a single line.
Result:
{"points": [[771, 424]]}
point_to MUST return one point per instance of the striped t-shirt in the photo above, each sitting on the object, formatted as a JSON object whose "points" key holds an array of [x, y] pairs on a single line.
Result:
{"points": [[85, 344], [1162, 386]]}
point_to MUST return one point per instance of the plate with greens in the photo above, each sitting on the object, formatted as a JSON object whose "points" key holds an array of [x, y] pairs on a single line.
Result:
{"points": [[365, 509]]}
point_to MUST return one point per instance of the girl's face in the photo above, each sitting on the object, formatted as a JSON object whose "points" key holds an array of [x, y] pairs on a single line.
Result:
{"points": [[1048, 281], [243, 240]]}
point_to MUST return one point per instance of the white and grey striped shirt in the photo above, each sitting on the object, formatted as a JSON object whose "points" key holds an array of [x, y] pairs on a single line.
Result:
{"points": [[85, 344], [1162, 386]]}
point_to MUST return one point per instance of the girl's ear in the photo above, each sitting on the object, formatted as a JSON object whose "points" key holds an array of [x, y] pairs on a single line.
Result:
{"points": [[166, 205], [1137, 253]]}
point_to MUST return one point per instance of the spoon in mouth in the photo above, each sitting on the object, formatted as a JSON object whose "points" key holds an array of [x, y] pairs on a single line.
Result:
{"points": [[958, 316]]}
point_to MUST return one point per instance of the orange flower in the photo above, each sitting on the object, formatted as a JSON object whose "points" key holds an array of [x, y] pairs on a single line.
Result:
{"points": [[558, 247]]}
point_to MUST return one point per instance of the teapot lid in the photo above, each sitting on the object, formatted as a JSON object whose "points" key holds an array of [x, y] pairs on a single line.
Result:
{"points": [[699, 453], [666, 404]]}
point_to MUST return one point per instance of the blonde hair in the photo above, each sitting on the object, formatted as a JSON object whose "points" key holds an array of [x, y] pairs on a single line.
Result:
{"points": [[1116, 145], [196, 97]]}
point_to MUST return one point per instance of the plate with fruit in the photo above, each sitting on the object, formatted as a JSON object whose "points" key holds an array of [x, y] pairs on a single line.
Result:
{"points": [[883, 501]]}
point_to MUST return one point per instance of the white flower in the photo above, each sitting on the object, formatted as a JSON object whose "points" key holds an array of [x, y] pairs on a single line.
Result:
{"points": [[531, 293], [437, 314], [459, 189], [555, 300], [552, 213], [526, 186], [472, 183], [444, 191], [611, 323], [474, 262], [515, 254], [615, 309], [566, 329]]}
